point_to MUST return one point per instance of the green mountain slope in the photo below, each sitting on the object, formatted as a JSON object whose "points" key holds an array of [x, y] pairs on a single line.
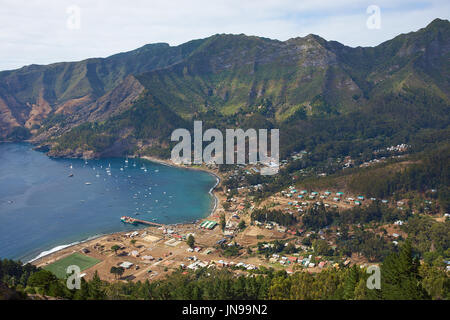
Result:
{"points": [[229, 72], [324, 96]]}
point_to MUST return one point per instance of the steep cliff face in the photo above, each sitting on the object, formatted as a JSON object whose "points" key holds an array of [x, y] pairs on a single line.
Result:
{"points": [[116, 101], [34, 94], [79, 111], [7, 119]]}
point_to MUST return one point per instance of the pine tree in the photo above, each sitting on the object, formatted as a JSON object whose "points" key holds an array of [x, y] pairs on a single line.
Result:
{"points": [[435, 281], [95, 288], [351, 282], [400, 279], [222, 221], [83, 293], [145, 290], [280, 288], [191, 241], [361, 290]]}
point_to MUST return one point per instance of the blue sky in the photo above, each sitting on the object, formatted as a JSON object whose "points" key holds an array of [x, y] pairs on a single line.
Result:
{"points": [[47, 31]]}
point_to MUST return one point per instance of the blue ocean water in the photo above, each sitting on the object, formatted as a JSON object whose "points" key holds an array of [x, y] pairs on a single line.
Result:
{"points": [[41, 207]]}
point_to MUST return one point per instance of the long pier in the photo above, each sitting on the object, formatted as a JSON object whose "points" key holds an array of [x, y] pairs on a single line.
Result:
{"points": [[131, 220]]}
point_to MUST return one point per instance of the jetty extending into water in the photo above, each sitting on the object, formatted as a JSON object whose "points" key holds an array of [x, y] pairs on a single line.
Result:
{"points": [[134, 221]]}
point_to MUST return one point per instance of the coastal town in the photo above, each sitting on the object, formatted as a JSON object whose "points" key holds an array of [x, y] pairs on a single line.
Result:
{"points": [[222, 157], [234, 236]]}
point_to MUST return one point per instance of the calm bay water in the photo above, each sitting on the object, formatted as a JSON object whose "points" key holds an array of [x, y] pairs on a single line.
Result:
{"points": [[41, 207]]}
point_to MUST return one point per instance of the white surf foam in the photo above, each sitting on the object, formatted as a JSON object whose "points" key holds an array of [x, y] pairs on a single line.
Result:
{"points": [[61, 247]]}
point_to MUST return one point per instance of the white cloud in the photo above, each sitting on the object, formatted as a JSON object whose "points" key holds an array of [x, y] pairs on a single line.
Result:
{"points": [[36, 32]]}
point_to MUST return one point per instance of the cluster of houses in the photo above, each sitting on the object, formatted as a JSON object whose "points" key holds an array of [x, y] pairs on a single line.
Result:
{"points": [[195, 249], [272, 225], [231, 264], [132, 234], [306, 262], [196, 264], [298, 155], [292, 192], [372, 162], [358, 201], [398, 148], [313, 195]]}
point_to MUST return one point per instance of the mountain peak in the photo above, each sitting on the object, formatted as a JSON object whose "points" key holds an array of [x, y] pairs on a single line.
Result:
{"points": [[438, 23], [311, 38]]}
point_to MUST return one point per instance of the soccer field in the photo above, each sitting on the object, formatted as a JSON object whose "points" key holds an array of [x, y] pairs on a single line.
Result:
{"points": [[59, 268]]}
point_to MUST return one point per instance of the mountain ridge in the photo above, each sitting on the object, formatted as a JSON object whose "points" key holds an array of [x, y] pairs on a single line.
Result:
{"points": [[228, 75]]}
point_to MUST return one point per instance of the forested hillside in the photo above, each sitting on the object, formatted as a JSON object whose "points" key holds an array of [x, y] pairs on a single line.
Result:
{"points": [[320, 94], [325, 97]]}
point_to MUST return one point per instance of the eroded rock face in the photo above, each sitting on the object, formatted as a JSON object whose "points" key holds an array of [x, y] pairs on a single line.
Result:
{"points": [[74, 111], [115, 101], [7, 119], [39, 111], [48, 95], [86, 109]]}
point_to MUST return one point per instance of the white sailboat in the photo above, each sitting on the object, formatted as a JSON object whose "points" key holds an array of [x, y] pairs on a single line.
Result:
{"points": [[71, 173]]}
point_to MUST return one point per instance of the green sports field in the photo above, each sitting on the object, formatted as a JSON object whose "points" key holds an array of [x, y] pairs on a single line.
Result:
{"points": [[59, 267]]}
